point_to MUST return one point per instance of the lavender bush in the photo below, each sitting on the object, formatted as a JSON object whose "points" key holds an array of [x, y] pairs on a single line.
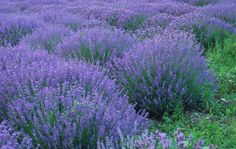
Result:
{"points": [[97, 45], [223, 10], [66, 117], [9, 139], [73, 22], [165, 73], [23, 69], [154, 26], [207, 30], [13, 7], [14, 28], [199, 2], [46, 38]]}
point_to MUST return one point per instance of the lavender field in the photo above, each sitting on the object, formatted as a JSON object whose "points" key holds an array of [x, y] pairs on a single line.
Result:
{"points": [[117, 74]]}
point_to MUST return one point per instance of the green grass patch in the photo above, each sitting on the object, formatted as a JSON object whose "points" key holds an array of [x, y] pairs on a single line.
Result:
{"points": [[134, 23], [210, 36], [220, 131]]}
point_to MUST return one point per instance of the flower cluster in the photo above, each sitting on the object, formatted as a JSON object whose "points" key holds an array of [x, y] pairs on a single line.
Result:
{"points": [[199, 2], [164, 73], [48, 97], [11, 139], [97, 45], [14, 27], [46, 38], [22, 69], [223, 10], [69, 20], [66, 117]]}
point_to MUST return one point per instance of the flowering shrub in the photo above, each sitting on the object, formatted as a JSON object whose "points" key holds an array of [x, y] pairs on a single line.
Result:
{"points": [[223, 10], [65, 117], [22, 69], [207, 30], [12, 7], [199, 2], [154, 25], [46, 38], [71, 21], [14, 28], [165, 73], [74, 99], [11, 139], [95, 45]]}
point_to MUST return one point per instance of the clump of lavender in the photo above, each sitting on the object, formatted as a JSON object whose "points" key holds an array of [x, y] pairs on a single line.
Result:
{"points": [[46, 38], [199, 2], [14, 27], [154, 26], [155, 140], [223, 10], [207, 30], [73, 22], [11, 139], [97, 45], [187, 22], [164, 73], [67, 117], [13, 7], [22, 69]]}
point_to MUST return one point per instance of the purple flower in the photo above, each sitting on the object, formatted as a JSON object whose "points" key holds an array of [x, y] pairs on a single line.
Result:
{"points": [[22, 68], [97, 45], [67, 117], [14, 27], [73, 22], [46, 38], [160, 74], [223, 10], [10, 139]]}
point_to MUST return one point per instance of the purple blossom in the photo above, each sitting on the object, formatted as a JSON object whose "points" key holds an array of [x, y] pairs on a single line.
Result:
{"points": [[199, 2], [154, 25], [66, 117], [160, 74], [9, 139], [73, 22], [46, 38], [14, 27], [22, 69], [197, 19], [97, 45], [180, 139], [223, 10]]}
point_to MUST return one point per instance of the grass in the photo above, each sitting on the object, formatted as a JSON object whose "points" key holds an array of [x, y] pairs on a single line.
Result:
{"points": [[217, 130], [217, 125]]}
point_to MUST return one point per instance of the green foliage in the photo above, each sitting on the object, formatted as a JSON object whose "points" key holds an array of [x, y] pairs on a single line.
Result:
{"points": [[92, 56], [223, 61], [220, 131], [12, 35], [134, 23], [204, 2], [112, 21], [210, 36], [51, 43]]}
